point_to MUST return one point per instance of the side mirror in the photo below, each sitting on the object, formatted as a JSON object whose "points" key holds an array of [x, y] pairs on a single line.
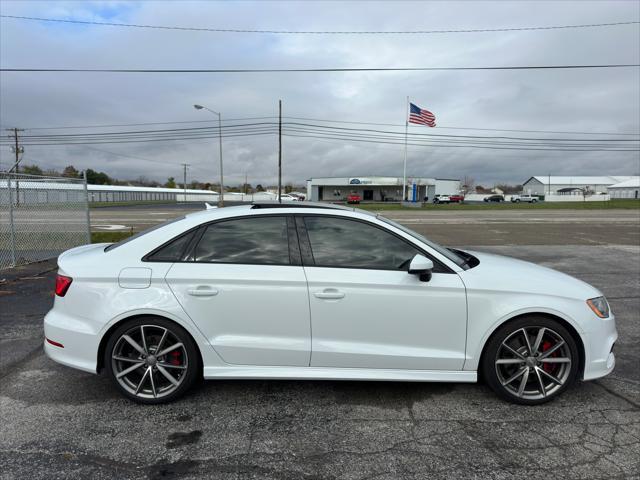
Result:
{"points": [[422, 266]]}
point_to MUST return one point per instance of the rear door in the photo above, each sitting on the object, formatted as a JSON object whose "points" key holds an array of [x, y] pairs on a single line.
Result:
{"points": [[245, 288], [367, 311]]}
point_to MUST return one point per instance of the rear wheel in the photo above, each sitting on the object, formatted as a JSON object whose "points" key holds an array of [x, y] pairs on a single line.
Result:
{"points": [[531, 360], [151, 360]]}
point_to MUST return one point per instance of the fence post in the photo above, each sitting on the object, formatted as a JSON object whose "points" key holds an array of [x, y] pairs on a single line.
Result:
{"points": [[12, 226], [86, 206]]}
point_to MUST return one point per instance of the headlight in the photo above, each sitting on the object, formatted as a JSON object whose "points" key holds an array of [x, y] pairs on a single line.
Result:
{"points": [[599, 306]]}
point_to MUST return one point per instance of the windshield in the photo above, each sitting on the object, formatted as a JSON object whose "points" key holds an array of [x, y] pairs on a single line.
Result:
{"points": [[454, 257]]}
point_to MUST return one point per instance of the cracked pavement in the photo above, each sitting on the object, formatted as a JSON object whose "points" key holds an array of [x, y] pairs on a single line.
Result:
{"points": [[62, 423]]}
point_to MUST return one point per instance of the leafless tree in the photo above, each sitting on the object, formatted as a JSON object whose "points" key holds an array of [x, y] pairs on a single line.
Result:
{"points": [[467, 184]]}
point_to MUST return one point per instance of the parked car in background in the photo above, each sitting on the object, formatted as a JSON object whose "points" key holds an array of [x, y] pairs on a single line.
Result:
{"points": [[494, 198], [288, 198], [298, 196], [203, 296], [353, 198], [456, 198], [441, 199], [524, 198]]}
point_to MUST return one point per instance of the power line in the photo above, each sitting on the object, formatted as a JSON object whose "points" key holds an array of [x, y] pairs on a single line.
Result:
{"points": [[70, 127], [267, 126], [455, 136], [462, 139], [73, 127], [313, 70], [461, 128], [362, 136], [320, 32], [465, 146]]}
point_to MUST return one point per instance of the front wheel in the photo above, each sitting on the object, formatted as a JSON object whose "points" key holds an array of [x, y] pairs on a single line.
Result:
{"points": [[530, 360], [151, 360]]}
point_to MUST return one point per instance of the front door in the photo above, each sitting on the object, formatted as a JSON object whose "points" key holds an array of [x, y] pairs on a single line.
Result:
{"points": [[368, 312], [367, 195], [246, 291]]}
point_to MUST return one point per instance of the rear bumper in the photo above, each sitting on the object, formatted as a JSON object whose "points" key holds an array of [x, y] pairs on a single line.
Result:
{"points": [[79, 344], [599, 357]]}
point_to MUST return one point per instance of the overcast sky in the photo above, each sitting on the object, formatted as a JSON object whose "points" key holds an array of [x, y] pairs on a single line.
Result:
{"points": [[605, 100]]}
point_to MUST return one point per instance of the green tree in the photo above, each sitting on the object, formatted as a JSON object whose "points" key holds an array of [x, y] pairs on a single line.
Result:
{"points": [[170, 183], [97, 178], [32, 170], [71, 172]]}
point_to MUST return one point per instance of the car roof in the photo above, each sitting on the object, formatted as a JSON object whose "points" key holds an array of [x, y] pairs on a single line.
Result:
{"points": [[266, 206]]}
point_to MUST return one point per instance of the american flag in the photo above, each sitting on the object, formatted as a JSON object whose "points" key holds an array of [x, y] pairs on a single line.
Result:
{"points": [[421, 116]]}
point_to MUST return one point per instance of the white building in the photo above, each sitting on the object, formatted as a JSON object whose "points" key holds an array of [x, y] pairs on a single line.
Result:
{"points": [[378, 189], [627, 189], [560, 185]]}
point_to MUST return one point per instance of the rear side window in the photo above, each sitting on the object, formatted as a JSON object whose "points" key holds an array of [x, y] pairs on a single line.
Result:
{"points": [[341, 243], [141, 234], [174, 251], [250, 240]]}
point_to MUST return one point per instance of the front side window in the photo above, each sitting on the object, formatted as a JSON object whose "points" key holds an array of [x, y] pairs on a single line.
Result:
{"points": [[250, 240], [343, 243]]}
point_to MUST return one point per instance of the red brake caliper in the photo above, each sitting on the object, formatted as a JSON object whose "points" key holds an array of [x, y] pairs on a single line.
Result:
{"points": [[174, 357], [548, 367]]}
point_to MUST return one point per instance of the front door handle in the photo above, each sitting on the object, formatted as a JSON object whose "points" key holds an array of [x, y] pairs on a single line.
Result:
{"points": [[202, 292], [329, 294]]}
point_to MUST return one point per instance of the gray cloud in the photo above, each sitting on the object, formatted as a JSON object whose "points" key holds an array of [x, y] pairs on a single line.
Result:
{"points": [[590, 100]]}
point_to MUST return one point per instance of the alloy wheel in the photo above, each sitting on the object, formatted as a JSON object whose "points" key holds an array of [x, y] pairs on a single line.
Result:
{"points": [[533, 362], [149, 361]]}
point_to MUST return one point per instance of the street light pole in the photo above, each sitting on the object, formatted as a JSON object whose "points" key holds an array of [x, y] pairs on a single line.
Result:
{"points": [[221, 193]]}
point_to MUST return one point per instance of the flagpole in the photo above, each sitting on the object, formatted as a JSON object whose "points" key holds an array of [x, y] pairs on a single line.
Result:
{"points": [[404, 170]]}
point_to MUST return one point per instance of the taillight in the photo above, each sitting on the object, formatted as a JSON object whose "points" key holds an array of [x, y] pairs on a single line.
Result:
{"points": [[62, 285]]}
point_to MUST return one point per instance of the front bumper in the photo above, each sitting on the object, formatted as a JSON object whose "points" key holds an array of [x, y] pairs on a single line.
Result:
{"points": [[80, 344], [598, 345]]}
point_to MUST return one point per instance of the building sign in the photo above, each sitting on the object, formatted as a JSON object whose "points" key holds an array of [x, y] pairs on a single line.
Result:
{"points": [[360, 181]]}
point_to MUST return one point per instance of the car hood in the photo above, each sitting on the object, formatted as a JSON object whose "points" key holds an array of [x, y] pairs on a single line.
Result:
{"points": [[500, 273]]}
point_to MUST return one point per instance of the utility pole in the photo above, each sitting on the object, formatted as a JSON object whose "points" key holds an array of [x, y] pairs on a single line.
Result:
{"points": [[17, 149], [184, 176], [280, 151], [221, 196]]}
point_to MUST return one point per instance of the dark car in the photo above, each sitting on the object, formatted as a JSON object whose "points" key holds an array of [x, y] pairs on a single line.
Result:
{"points": [[494, 198]]}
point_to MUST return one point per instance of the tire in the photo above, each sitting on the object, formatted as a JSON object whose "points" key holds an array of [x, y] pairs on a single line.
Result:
{"points": [[518, 377], [518, 201], [534, 201], [150, 383]]}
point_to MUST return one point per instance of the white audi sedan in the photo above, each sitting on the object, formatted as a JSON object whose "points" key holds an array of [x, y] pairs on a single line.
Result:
{"points": [[313, 291]]}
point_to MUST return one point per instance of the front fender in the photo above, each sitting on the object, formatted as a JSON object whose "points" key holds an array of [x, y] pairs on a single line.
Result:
{"points": [[478, 338]]}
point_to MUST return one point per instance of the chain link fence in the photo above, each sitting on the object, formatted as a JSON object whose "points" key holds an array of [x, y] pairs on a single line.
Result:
{"points": [[40, 217]]}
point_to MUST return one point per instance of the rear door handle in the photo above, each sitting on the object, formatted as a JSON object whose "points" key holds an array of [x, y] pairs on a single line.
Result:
{"points": [[202, 292], [329, 294]]}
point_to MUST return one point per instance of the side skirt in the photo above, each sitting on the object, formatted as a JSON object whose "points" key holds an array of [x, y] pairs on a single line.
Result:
{"points": [[326, 373]]}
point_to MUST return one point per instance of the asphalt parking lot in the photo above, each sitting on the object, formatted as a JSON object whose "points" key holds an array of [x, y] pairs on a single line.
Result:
{"points": [[62, 423]]}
